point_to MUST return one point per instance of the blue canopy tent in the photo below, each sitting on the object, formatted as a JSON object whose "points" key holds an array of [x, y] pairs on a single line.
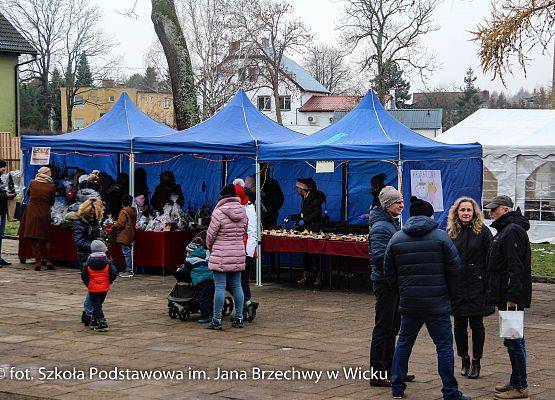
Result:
{"points": [[370, 133], [238, 129], [113, 134]]}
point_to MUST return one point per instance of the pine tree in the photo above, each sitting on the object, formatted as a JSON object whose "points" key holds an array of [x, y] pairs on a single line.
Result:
{"points": [[393, 79], [469, 101], [84, 74], [55, 84], [150, 82]]}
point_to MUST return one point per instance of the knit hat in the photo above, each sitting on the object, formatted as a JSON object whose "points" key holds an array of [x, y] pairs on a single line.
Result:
{"points": [[45, 171], [304, 184], [241, 193], [98, 246], [388, 196], [420, 207], [3, 163], [228, 191]]}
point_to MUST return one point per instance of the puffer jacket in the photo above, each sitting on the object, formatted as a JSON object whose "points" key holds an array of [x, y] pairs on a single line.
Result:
{"points": [[84, 232], [382, 227], [509, 268], [311, 211], [470, 297], [125, 226], [99, 273], [422, 262], [198, 259], [224, 237]]}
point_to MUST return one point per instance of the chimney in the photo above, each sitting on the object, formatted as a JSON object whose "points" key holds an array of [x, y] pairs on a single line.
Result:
{"points": [[108, 83]]}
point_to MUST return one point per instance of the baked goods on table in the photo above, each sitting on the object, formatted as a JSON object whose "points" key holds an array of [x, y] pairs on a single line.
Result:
{"points": [[350, 237]]}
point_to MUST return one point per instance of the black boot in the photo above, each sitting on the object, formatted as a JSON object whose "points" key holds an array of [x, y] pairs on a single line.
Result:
{"points": [[474, 370], [465, 369]]}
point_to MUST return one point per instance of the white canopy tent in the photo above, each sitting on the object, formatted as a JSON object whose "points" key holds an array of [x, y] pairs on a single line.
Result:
{"points": [[519, 160]]}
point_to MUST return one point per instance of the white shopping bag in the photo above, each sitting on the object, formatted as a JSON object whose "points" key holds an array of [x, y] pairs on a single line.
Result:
{"points": [[511, 324]]}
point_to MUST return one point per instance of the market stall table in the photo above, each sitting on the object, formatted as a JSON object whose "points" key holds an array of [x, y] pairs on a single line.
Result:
{"points": [[151, 249], [342, 248]]}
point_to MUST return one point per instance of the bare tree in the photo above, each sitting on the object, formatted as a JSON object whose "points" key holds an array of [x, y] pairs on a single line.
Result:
{"points": [[211, 38], [169, 32], [327, 64], [389, 31], [83, 36], [513, 29], [42, 23], [266, 30]]}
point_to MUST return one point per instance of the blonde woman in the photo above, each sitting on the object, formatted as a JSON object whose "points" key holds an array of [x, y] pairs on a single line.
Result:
{"points": [[472, 239], [85, 224]]}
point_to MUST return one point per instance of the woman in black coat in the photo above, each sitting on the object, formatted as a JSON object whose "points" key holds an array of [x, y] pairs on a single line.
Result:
{"points": [[472, 239], [164, 192]]}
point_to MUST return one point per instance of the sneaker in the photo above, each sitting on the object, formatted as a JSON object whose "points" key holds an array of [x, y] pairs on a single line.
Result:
{"points": [[215, 325], [500, 388], [93, 323], [102, 326], [402, 396], [382, 383], [237, 322], [85, 319], [204, 320], [125, 274], [251, 311], [513, 393], [4, 262], [409, 378], [463, 397]]}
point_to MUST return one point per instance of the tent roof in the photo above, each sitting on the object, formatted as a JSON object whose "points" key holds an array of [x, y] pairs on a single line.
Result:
{"points": [[114, 132], [368, 132], [237, 129], [507, 131]]}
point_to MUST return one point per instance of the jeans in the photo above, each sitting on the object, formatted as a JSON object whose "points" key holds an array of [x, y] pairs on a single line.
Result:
{"points": [[386, 328], [439, 328], [127, 250], [97, 299], [517, 354], [205, 296], [220, 280], [478, 336], [87, 305], [3, 219]]}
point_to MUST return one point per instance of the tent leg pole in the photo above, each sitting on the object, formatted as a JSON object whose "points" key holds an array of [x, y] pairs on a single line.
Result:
{"points": [[258, 227], [132, 193], [400, 183]]}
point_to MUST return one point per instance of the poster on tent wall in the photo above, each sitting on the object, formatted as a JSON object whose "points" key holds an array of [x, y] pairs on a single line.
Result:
{"points": [[426, 184], [40, 156]]}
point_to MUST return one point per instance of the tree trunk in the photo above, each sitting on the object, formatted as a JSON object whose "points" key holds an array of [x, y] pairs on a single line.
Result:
{"points": [[275, 89], [166, 25], [69, 108]]}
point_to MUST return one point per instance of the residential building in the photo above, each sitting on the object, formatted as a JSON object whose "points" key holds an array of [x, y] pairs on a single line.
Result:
{"points": [[427, 122], [91, 103], [320, 111], [12, 45]]}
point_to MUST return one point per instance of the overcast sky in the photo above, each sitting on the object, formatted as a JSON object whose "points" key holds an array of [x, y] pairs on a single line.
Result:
{"points": [[451, 44]]}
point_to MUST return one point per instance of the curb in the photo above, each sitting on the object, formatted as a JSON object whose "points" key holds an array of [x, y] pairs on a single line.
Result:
{"points": [[543, 279]]}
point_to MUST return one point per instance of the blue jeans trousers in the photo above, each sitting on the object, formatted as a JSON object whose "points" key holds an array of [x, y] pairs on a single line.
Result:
{"points": [[220, 281], [3, 219], [439, 328], [127, 250], [517, 354]]}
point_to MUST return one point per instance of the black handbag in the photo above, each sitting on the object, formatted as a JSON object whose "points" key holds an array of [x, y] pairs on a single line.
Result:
{"points": [[19, 211]]}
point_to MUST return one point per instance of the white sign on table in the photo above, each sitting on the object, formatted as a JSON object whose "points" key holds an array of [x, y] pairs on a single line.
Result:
{"points": [[426, 185], [40, 156]]}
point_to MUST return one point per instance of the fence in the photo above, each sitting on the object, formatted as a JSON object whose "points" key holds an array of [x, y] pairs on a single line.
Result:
{"points": [[10, 150]]}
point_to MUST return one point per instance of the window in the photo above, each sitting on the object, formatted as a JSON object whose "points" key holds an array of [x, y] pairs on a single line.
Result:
{"points": [[166, 102], [111, 99], [78, 101], [264, 103], [78, 123], [539, 202], [285, 103], [489, 190]]}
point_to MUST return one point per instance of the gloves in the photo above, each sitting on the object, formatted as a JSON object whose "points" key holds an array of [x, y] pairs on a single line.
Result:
{"points": [[363, 216], [301, 222]]}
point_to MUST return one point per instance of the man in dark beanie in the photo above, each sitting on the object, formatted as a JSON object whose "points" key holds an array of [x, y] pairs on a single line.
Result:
{"points": [[5, 195], [421, 263]]}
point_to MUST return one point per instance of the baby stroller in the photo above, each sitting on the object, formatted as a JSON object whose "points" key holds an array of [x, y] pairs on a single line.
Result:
{"points": [[183, 293]]}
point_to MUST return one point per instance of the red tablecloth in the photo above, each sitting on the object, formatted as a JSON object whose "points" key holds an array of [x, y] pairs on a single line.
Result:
{"points": [[282, 244], [151, 249]]}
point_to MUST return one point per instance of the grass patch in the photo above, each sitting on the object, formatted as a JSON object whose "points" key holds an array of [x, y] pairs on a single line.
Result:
{"points": [[543, 259]]}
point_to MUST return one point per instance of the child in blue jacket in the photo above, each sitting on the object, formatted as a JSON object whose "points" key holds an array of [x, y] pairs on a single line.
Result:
{"points": [[202, 278]]}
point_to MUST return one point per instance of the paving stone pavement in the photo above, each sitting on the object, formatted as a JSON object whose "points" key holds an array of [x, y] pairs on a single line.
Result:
{"points": [[295, 328]]}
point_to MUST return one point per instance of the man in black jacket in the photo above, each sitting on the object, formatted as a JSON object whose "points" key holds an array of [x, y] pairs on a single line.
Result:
{"points": [[384, 223], [509, 275], [272, 198], [5, 195], [422, 263]]}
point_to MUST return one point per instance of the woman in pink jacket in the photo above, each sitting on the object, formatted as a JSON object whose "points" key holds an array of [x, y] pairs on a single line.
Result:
{"points": [[224, 239]]}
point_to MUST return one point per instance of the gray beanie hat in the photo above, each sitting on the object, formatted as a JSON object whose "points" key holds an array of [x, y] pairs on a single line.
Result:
{"points": [[388, 196], [98, 246]]}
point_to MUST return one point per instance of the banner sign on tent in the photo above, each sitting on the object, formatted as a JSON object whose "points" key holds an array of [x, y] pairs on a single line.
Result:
{"points": [[323, 167], [40, 156], [426, 185]]}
